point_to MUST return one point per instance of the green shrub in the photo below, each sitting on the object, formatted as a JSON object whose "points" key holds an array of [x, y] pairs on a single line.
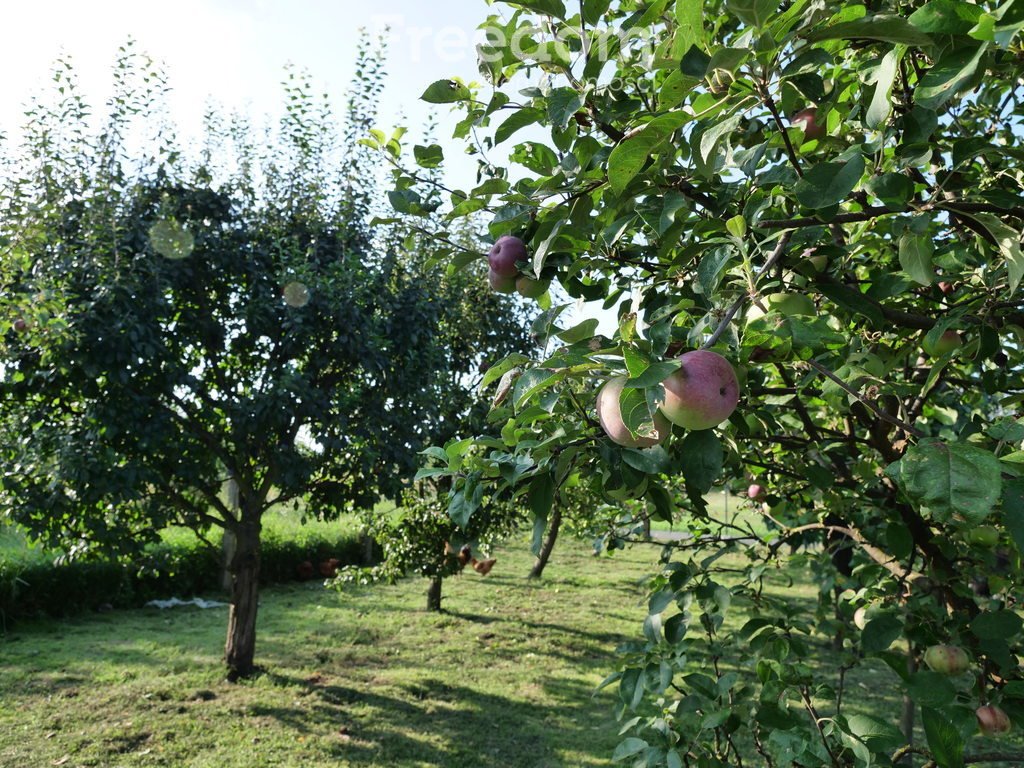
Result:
{"points": [[181, 565]]}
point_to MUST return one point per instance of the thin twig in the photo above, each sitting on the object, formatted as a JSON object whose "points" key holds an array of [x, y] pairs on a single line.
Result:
{"points": [[738, 304], [908, 428]]}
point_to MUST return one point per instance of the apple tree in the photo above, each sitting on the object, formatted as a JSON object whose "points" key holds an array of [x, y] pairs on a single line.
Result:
{"points": [[174, 325], [828, 198]]}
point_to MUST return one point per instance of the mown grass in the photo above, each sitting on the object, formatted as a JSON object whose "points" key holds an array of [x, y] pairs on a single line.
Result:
{"points": [[367, 678], [505, 677]]}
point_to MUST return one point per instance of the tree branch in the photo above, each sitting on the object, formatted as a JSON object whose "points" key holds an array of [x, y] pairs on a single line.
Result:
{"points": [[908, 428]]}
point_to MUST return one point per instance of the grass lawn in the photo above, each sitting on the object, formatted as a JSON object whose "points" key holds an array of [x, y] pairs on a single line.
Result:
{"points": [[504, 678]]}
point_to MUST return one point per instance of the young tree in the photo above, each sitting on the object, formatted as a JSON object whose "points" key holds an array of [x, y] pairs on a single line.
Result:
{"points": [[828, 196], [177, 324]]}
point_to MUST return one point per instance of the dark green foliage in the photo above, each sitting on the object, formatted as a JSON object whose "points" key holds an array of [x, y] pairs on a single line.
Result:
{"points": [[37, 587], [230, 319]]}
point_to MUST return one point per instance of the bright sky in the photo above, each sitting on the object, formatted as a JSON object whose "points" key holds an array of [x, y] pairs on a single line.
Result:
{"points": [[235, 51]]}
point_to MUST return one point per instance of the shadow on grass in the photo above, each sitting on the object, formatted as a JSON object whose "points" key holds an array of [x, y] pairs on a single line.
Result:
{"points": [[435, 723]]}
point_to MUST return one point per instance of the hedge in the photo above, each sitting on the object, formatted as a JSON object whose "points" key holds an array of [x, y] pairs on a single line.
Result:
{"points": [[37, 587]]}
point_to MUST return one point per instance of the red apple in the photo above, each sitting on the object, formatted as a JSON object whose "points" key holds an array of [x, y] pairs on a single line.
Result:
{"points": [[807, 119], [947, 342], [504, 255], [755, 492], [610, 416], [529, 288], [945, 286], [946, 659], [992, 720], [501, 283], [20, 325], [703, 392]]}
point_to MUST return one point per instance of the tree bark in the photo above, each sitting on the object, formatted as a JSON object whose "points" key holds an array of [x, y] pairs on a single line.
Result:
{"points": [[240, 648], [549, 544], [434, 593]]}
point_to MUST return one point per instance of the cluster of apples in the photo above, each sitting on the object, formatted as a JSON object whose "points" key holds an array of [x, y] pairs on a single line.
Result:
{"points": [[503, 273], [701, 394], [952, 660]]}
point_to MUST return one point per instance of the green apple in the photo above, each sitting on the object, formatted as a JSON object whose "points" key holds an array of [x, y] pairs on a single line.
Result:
{"points": [[946, 659], [983, 535], [529, 288], [790, 304]]}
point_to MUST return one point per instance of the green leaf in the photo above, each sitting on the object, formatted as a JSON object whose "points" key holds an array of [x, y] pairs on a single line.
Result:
{"points": [[694, 63], [563, 103], [884, 77], [636, 412], [466, 500], [542, 494], [628, 747], [916, 258], [828, 184], [944, 740], [1013, 511], [996, 625], [498, 370], [662, 502], [946, 17], [653, 374], [880, 633], [755, 13], [651, 461], [689, 26], [520, 118], [446, 92], [894, 189], [882, 27], [948, 76], [533, 381], [580, 331], [946, 479], [853, 301], [633, 152], [710, 139], [702, 459], [428, 157], [930, 689], [876, 733], [546, 7], [1008, 241]]}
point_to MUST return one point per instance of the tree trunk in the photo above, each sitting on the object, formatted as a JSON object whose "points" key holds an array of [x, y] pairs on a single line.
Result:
{"points": [[549, 544], [245, 585], [434, 593], [647, 527]]}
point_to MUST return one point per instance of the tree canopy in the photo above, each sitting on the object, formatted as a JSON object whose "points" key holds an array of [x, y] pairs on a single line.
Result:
{"points": [[179, 323], [829, 195]]}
